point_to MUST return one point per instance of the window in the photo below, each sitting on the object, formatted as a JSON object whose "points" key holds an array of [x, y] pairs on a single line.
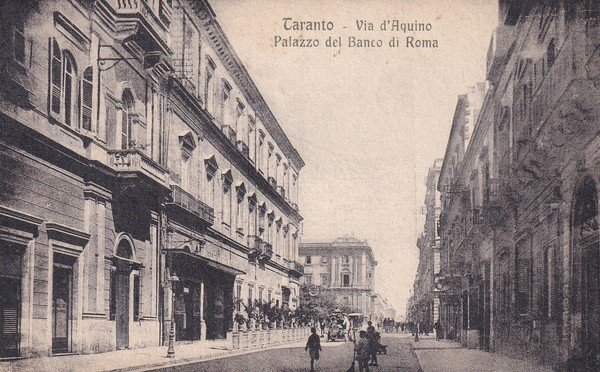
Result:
{"points": [[226, 201], [308, 279], [239, 110], [308, 260], [209, 92], [240, 194], [250, 289], [211, 167], [20, 43], [87, 90], [523, 281], [260, 293], [69, 85], [325, 280], [551, 53], [345, 280], [127, 120], [262, 212], [260, 151], [238, 294], [252, 215], [63, 85], [225, 108], [269, 295]]}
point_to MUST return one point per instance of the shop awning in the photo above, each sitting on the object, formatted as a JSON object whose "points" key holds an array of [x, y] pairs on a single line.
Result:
{"points": [[207, 261]]}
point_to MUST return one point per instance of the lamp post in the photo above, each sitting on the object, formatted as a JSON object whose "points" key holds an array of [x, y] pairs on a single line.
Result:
{"points": [[171, 350]]}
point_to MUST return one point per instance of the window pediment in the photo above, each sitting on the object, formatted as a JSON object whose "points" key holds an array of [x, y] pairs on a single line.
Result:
{"points": [[211, 165], [187, 143]]}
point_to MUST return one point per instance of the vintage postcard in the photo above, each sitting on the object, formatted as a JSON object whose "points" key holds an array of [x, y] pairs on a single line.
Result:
{"points": [[299, 185]]}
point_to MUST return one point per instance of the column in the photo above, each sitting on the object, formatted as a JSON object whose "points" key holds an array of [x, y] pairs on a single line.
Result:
{"points": [[202, 322]]}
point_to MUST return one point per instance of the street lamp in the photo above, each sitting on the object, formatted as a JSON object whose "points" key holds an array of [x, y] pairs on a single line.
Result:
{"points": [[171, 350]]}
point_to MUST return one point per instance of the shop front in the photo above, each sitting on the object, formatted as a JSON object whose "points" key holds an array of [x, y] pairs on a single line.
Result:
{"points": [[10, 300], [202, 296]]}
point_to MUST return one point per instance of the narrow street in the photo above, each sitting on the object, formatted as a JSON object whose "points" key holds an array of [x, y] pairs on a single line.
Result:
{"points": [[335, 357]]}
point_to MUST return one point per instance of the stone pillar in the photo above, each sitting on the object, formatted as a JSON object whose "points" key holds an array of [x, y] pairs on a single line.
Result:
{"points": [[202, 322]]}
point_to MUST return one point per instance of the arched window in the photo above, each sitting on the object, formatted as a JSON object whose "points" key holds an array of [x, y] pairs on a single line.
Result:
{"points": [[87, 89], [127, 120], [69, 84], [124, 249]]}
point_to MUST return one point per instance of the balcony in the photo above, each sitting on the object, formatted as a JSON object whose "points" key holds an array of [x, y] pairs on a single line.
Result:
{"points": [[272, 182], [184, 202], [281, 191], [230, 133], [254, 247], [499, 51], [266, 252], [296, 269], [492, 203], [132, 164], [554, 90], [244, 149], [136, 20]]}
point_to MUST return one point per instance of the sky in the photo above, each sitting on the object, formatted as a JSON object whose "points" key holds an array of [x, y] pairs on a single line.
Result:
{"points": [[368, 122]]}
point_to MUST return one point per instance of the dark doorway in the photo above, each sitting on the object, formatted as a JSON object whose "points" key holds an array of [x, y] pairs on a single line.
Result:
{"points": [[122, 308], [586, 269], [187, 311], [10, 302], [62, 281]]}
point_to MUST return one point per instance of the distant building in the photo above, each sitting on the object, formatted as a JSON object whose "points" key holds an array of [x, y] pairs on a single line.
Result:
{"points": [[426, 300], [346, 267]]}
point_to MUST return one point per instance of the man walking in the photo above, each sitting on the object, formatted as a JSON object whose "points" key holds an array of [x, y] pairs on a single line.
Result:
{"points": [[373, 340], [313, 345]]}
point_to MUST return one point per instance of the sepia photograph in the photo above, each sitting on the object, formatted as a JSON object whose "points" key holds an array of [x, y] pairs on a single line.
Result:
{"points": [[300, 185]]}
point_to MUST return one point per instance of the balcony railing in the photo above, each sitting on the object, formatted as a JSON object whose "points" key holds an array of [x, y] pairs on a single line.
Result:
{"points": [[229, 133], [191, 204], [134, 162], [254, 244], [551, 90], [244, 149], [266, 251], [155, 19], [296, 268], [281, 190]]}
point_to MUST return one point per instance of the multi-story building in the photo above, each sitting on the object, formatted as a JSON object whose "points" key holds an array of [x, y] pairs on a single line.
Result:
{"points": [[345, 267], [426, 298], [519, 224], [144, 178]]}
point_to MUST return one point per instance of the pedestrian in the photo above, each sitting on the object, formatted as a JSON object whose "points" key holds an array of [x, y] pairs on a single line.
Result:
{"points": [[438, 330], [373, 340], [313, 345], [322, 324], [362, 351]]}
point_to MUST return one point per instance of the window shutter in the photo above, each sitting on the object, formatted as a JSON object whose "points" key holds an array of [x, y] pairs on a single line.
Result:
{"points": [[87, 89], [55, 78]]}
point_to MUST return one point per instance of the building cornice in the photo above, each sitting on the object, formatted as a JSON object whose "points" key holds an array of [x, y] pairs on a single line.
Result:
{"points": [[236, 68]]}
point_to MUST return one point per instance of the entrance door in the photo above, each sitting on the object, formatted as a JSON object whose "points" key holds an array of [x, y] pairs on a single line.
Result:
{"points": [[61, 308], [10, 303], [586, 271], [122, 308]]}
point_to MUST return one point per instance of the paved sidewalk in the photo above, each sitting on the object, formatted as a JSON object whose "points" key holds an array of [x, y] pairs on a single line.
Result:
{"points": [[134, 359], [449, 356]]}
